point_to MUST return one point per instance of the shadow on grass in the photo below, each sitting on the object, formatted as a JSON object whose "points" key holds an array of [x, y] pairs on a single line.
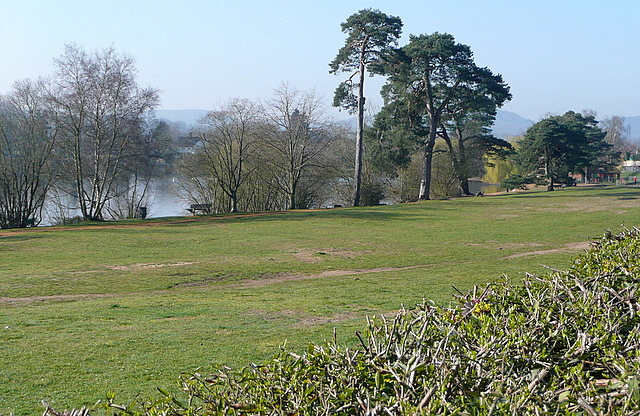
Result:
{"points": [[356, 214], [581, 192], [20, 236]]}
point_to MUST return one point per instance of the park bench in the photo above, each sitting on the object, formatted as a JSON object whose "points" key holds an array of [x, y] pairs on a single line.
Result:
{"points": [[204, 208]]}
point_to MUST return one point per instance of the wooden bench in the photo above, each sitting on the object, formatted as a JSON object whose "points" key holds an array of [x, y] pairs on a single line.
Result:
{"points": [[205, 208]]}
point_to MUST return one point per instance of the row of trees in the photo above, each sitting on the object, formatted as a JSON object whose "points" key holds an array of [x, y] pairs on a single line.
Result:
{"points": [[82, 134], [85, 139], [434, 90], [439, 107], [281, 154], [92, 142]]}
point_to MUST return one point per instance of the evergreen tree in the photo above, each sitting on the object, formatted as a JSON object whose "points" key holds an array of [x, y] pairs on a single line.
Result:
{"points": [[370, 35], [558, 146]]}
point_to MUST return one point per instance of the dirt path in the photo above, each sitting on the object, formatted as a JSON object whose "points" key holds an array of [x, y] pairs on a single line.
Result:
{"points": [[267, 280], [567, 248]]}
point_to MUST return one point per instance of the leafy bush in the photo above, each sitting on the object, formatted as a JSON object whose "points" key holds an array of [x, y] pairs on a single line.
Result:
{"points": [[515, 181], [567, 342]]}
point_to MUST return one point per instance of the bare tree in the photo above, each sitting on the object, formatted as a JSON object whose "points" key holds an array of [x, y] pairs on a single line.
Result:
{"points": [[101, 110], [228, 141], [27, 138], [617, 133], [298, 133], [132, 190], [196, 184]]}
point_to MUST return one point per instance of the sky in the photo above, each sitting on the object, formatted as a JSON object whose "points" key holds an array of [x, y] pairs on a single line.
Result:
{"points": [[556, 55]]}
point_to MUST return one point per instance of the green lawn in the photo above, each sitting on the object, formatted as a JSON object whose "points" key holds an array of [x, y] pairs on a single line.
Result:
{"points": [[128, 306]]}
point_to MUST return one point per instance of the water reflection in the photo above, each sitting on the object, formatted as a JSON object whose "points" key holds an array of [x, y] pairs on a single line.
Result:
{"points": [[486, 188]]}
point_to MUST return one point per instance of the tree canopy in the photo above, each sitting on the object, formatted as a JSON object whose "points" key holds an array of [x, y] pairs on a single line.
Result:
{"points": [[433, 80], [558, 146]]}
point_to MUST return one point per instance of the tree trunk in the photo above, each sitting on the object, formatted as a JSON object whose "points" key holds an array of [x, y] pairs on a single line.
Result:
{"points": [[292, 192], [586, 175], [464, 186], [547, 172], [425, 183], [357, 177], [459, 161], [462, 170], [234, 202]]}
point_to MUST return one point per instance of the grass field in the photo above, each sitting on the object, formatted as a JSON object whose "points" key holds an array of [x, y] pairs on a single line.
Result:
{"points": [[127, 306]]}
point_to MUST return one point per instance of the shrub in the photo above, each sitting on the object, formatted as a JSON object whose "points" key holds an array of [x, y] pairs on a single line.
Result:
{"points": [[567, 342], [515, 181]]}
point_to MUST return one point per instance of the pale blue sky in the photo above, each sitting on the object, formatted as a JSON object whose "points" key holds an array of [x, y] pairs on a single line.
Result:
{"points": [[556, 55]]}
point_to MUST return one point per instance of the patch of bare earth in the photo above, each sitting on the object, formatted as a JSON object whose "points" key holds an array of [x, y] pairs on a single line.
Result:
{"points": [[308, 321], [507, 216], [133, 267], [286, 277], [33, 299], [138, 266], [315, 256], [567, 248], [263, 281], [303, 320]]}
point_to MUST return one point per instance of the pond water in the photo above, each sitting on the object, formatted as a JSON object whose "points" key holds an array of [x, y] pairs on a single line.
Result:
{"points": [[163, 201], [487, 188]]}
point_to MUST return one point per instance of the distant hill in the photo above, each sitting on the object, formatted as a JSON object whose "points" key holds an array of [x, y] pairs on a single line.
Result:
{"points": [[184, 118], [509, 124]]}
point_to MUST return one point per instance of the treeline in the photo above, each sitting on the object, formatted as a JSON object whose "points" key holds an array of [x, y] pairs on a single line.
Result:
{"points": [[84, 131], [284, 153], [434, 131], [84, 139]]}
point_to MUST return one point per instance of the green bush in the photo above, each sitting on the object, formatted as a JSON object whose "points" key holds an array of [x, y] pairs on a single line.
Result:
{"points": [[567, 342], [515, 181]]}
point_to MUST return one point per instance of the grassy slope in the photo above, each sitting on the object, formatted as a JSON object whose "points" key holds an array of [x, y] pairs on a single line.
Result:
{"points": [[175, 296]]}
